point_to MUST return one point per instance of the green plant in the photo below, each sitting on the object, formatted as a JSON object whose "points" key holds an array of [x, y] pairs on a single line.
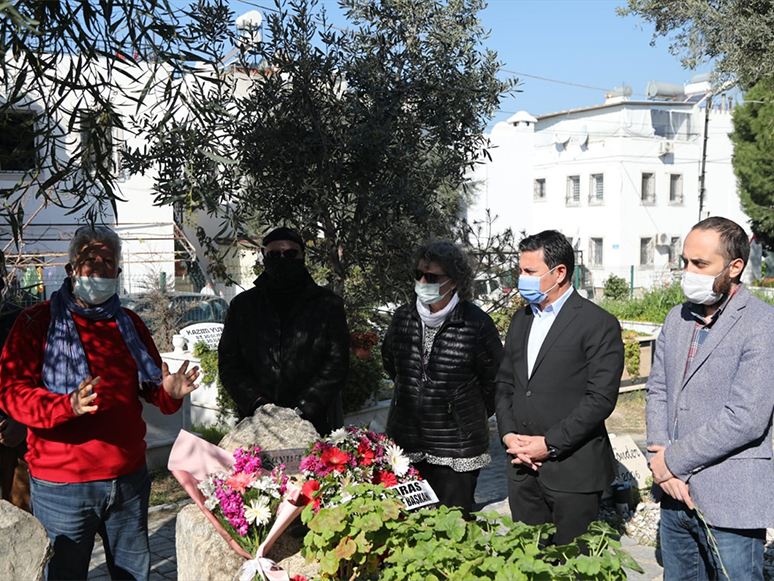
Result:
{"points": [[363, 381], [348, 539], [653, 306], [208, 364], [213, 434], [503, 315], [371, 536], [439, 544], [616, 288], [631, 353]]}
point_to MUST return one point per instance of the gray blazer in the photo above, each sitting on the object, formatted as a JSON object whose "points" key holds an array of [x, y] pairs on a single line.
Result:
{"points": [[722, 408]]}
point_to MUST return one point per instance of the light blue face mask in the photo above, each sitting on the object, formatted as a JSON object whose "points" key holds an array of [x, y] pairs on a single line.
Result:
{"points": [[94, 290], [529, 288], [430, 293]]}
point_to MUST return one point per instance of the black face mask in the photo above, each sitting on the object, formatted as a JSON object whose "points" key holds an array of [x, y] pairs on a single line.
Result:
{"points": [[285, 273]]}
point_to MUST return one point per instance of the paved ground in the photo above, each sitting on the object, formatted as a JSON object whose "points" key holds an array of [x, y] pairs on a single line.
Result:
{"points": [[491, 494]]}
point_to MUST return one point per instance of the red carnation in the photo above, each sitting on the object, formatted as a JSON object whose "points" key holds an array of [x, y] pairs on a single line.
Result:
{"points": [[386, 478], [365, 454], [336, 459]]}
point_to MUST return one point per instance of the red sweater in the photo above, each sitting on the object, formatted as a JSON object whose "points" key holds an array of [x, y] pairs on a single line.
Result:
{"points": [[96, 446]]}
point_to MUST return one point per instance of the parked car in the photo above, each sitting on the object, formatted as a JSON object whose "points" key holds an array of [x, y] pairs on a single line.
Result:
{"points": [[194, 307]]}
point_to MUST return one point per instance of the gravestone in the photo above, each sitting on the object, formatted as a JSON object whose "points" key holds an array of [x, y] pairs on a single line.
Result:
{"points": [[208, 333], [25, 549], [632, 465], [271, 428]]}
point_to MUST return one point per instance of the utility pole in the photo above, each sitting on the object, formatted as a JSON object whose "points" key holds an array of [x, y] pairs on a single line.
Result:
{"points": [[702, 175], [702, 189]]}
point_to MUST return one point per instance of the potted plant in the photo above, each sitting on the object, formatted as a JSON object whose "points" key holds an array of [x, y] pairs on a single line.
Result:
{"points": [[361, 343]]}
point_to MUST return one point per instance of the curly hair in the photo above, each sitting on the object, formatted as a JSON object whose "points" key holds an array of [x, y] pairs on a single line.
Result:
{"points": [[454, 261]]}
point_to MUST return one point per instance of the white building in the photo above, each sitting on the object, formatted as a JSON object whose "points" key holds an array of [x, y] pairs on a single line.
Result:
{"points": [[147, 231], [620, 180]]}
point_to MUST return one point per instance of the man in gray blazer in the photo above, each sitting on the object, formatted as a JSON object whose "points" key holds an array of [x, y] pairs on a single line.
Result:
{"points": [[709, 410]]}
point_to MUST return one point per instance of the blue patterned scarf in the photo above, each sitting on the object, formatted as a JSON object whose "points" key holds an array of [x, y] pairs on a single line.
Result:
{"points": [[64, 360]]}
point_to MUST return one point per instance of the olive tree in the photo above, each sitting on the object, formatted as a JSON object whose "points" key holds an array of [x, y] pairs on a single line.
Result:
{"points": [[64, 67], [737, 34], [360, 137]]}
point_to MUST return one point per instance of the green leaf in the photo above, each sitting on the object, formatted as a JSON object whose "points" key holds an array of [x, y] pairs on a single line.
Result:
{"points": [[587, 566], [328, 520], [345, 549], [628, 561], [329, 564]]}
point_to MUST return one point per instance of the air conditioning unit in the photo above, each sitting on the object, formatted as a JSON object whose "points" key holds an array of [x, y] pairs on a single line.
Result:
{"points": [[662, 239], [665, 147]]}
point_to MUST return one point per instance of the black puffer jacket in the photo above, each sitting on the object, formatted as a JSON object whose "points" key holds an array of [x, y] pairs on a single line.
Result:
{"points": [[301, 361], [446, 414]]}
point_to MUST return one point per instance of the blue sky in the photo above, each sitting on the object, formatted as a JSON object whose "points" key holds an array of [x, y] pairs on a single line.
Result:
{"points": [[576, 41]]}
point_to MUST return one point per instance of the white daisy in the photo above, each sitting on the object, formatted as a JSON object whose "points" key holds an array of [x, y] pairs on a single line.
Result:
{"points": [[338, 436], [397, 461], [258, 512]]}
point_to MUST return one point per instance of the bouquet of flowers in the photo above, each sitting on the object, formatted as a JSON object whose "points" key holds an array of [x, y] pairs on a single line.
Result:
{"points": [[245, 501], [247, 504], [351, 456]]}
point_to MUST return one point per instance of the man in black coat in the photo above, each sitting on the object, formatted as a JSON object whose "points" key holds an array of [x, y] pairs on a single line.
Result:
{"points": [[557, 384], [286, 341]]}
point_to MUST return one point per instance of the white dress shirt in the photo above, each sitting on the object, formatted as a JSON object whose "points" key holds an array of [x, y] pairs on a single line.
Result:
{"points": [[541, 325]]}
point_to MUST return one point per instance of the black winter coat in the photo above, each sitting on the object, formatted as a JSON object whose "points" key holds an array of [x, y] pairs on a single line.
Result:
{"points": [[446, 413], [301, 362]]}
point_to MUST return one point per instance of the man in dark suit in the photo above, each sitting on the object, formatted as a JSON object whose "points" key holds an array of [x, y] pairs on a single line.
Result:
{"points": [[557, 384]]}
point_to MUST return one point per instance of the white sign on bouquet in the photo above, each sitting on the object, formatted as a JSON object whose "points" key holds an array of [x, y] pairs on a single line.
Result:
{"points": [[416, 494]]}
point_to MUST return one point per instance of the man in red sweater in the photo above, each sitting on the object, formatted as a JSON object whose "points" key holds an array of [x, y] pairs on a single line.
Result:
{"points": [[73, 371]]}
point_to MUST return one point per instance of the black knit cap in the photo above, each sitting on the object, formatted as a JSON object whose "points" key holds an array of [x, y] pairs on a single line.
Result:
{"points": [[283, 233]]}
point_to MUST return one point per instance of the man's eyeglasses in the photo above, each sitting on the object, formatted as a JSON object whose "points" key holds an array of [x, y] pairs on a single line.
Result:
{"points": [[289, 253], [430, 277]]}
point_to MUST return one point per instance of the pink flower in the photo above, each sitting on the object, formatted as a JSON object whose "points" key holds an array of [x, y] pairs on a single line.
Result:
{"points": [[240, 481], [249, 462]]}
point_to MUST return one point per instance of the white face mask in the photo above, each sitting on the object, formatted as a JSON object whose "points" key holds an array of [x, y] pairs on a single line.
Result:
{"points": [[94, 290], [430, 293], [699, 288]]}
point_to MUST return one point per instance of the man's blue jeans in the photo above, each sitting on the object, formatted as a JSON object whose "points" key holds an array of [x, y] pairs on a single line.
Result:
{"points": [[689, 553], [73, 513]]}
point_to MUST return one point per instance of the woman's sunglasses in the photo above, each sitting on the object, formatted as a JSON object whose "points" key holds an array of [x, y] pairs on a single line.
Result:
{"points": [[289, 253], [429, 276]]}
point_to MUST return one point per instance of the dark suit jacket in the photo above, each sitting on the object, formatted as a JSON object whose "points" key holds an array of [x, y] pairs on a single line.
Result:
{"points": [[573, 389]]}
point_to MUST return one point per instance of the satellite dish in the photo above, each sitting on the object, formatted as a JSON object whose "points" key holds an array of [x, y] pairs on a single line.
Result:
{"points": [[583, 135], [561, 138]]}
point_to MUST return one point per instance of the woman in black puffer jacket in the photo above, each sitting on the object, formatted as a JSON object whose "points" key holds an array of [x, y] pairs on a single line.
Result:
{"points": [[443, 353]]}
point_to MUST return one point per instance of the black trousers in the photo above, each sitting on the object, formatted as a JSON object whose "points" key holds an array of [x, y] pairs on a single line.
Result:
{"points": [[452, 488], [534, 504]]}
